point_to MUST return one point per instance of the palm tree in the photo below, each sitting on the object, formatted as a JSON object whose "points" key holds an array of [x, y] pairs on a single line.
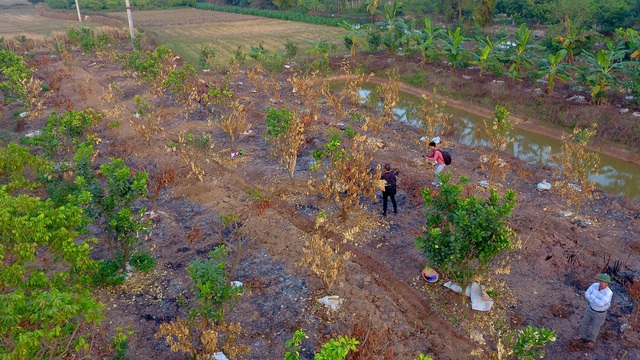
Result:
{"points": [[555, 69]]}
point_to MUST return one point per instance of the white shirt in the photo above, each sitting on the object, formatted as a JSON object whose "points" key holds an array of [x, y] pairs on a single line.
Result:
{"points": [[599, 300]]}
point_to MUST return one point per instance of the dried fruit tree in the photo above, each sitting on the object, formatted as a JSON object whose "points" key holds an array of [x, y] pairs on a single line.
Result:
{"points": [[497, 131], [575, 164], [285, 133], [347, 175]]}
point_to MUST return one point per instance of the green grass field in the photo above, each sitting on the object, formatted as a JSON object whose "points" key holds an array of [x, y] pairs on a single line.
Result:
{"points": [[185, 30]]}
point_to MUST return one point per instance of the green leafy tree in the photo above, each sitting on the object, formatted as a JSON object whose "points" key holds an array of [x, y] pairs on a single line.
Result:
{"points": [[334, 349], [408, 34], [17, 166], [206, 55], [183, 83], [555, 69], [204, 331], [483, 12], [14, 71], [62, 133], [337, 349], [113, 201], [531, 341], [464, 232], [46, 310], [293, 345], [575, 41]]}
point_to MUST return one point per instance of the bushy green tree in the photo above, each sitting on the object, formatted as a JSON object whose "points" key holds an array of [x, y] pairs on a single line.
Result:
{"points": [[61, 134], [465, 232], [112, 203], [46, 310], [14, 71]]}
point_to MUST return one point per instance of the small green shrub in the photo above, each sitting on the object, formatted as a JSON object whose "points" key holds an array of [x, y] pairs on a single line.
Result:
{"points": [[143, 262], [109, 273], [291, 49]]}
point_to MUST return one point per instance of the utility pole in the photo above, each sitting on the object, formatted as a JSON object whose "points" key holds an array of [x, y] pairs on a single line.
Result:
{"points": [[78, 10], [130, 18]]}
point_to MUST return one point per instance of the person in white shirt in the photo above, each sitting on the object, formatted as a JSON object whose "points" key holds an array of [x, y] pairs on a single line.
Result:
{"points": [[599, 297]]}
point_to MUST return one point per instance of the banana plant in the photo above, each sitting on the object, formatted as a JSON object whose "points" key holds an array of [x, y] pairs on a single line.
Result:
{"points": [[604, 65], [319, 50], [454, 50], [518, 56], [486, 58], [355, 37], [427, 45], [573, 40], [555, 69], [631, 41], [409, 33], [390, 36]]}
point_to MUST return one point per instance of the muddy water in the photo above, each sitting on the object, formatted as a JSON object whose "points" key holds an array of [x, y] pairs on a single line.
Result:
{"points": [[614, 175]]}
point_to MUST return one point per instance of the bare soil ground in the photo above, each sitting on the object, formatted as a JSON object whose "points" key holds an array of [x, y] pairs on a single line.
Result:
{"points": [[539, 284]]}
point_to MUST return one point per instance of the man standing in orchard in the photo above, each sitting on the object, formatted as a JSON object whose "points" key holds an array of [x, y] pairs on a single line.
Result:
{"points": [[599, 297]]}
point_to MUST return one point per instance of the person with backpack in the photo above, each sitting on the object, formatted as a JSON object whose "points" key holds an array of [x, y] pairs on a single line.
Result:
{"points": [[389, 189], [440, 157]]}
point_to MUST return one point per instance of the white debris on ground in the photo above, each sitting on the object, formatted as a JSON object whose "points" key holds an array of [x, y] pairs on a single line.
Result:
{"points": [[578, 99], [543, 186], [217, 356], [236, 284], [436, 140], [484, 183], [33, 133], [331, 301], [480, 301]]}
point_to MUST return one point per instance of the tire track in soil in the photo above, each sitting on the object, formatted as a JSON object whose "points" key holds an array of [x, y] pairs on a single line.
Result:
{"points": [[412, 304]]}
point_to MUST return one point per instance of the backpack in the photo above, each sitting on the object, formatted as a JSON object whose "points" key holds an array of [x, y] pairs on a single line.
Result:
{"points": [[391, 186], [446, 156]]}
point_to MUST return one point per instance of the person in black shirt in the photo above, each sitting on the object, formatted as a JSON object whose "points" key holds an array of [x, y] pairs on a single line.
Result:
{"points": [[389, 189]]}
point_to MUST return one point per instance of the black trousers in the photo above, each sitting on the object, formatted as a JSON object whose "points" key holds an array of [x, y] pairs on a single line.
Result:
{"points": [[386, 195]]}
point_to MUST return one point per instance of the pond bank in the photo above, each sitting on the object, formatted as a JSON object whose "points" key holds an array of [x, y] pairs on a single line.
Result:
{"points": [[528, 124]]}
